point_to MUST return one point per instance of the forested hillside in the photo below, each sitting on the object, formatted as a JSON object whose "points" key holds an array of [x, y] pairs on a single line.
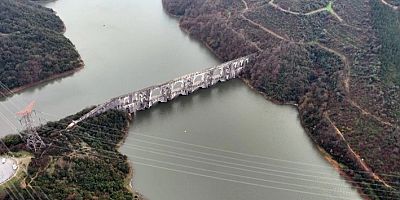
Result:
{"points": [[337, 61], [81, 163], [32, 44]]}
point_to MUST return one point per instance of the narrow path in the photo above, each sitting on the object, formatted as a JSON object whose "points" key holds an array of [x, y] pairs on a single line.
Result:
{"points": [[245, 39], [264, 28], [343, 40], [345, 81], [365, 167], [246, 7], [390, 5], [271, 3], [365, 112], [282, 9], [240, 34], [347, 69], [346, 75], [315, 11], [346, 84], [259, 25], [37, 173], [4, 34], [352, 26], [342, 56], [336, 15]]}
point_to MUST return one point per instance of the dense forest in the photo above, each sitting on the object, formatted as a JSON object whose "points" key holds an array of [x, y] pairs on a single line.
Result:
{"points": [[32, 45], [387, 24], [337, 61], [81, 163]]}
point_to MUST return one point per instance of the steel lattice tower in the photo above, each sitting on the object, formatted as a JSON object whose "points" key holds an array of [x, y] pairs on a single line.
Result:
{"points": [[33, 140]]}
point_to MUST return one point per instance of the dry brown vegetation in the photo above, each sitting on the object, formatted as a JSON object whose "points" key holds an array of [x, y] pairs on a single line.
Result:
{"points": [[340, 65]]}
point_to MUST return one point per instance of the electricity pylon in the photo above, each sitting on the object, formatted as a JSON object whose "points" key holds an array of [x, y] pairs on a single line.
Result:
{"points": [[33, 140]]}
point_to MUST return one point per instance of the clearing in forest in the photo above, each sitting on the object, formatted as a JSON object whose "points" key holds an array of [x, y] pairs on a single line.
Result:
{"points": [[329, 7]]}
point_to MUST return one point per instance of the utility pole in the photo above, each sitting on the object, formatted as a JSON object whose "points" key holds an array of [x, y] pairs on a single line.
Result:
{"points": [[33, 140]]}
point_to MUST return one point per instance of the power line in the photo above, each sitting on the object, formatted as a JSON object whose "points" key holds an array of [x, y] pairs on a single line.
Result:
{"points": [[262, 169], [242, 182], [42, 192], [16, 190], [250, 155], [30, 194], [248, 183], [11, 191], [112, 152], [8, 194], [245, 170], [233, 152], [277, 159], [9, 151], [267, 164]]}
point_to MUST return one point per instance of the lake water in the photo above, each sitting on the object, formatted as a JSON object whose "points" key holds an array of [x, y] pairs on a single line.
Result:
{"points": [[222, 143]]}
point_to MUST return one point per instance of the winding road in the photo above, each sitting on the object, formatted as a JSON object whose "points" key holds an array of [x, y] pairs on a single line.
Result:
{"points": [[390, 5], [345, 78], [307, 13]]}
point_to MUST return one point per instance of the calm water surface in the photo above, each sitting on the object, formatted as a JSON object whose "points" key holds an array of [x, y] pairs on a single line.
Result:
{"points": [[222, 143]]}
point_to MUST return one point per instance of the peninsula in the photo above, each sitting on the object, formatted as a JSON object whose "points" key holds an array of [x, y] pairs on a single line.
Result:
{"points": [[33, 48]]}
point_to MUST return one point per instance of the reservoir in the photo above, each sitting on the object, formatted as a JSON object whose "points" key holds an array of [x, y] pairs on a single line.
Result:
{"points": [[226, 142]]}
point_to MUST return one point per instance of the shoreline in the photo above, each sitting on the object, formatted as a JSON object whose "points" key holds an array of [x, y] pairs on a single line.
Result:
{"points": [[204, 44], [322, 151], [342, 173], [178, 17], [48, 79], [129, 177], [54, 76]]}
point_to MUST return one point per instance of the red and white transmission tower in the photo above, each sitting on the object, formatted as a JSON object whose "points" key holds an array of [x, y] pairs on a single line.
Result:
{"points": [[33, 140]]}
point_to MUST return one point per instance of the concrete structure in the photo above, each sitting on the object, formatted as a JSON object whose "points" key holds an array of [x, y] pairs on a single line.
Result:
{"points": [[184, 85], [33, 140], [7, 169]]}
